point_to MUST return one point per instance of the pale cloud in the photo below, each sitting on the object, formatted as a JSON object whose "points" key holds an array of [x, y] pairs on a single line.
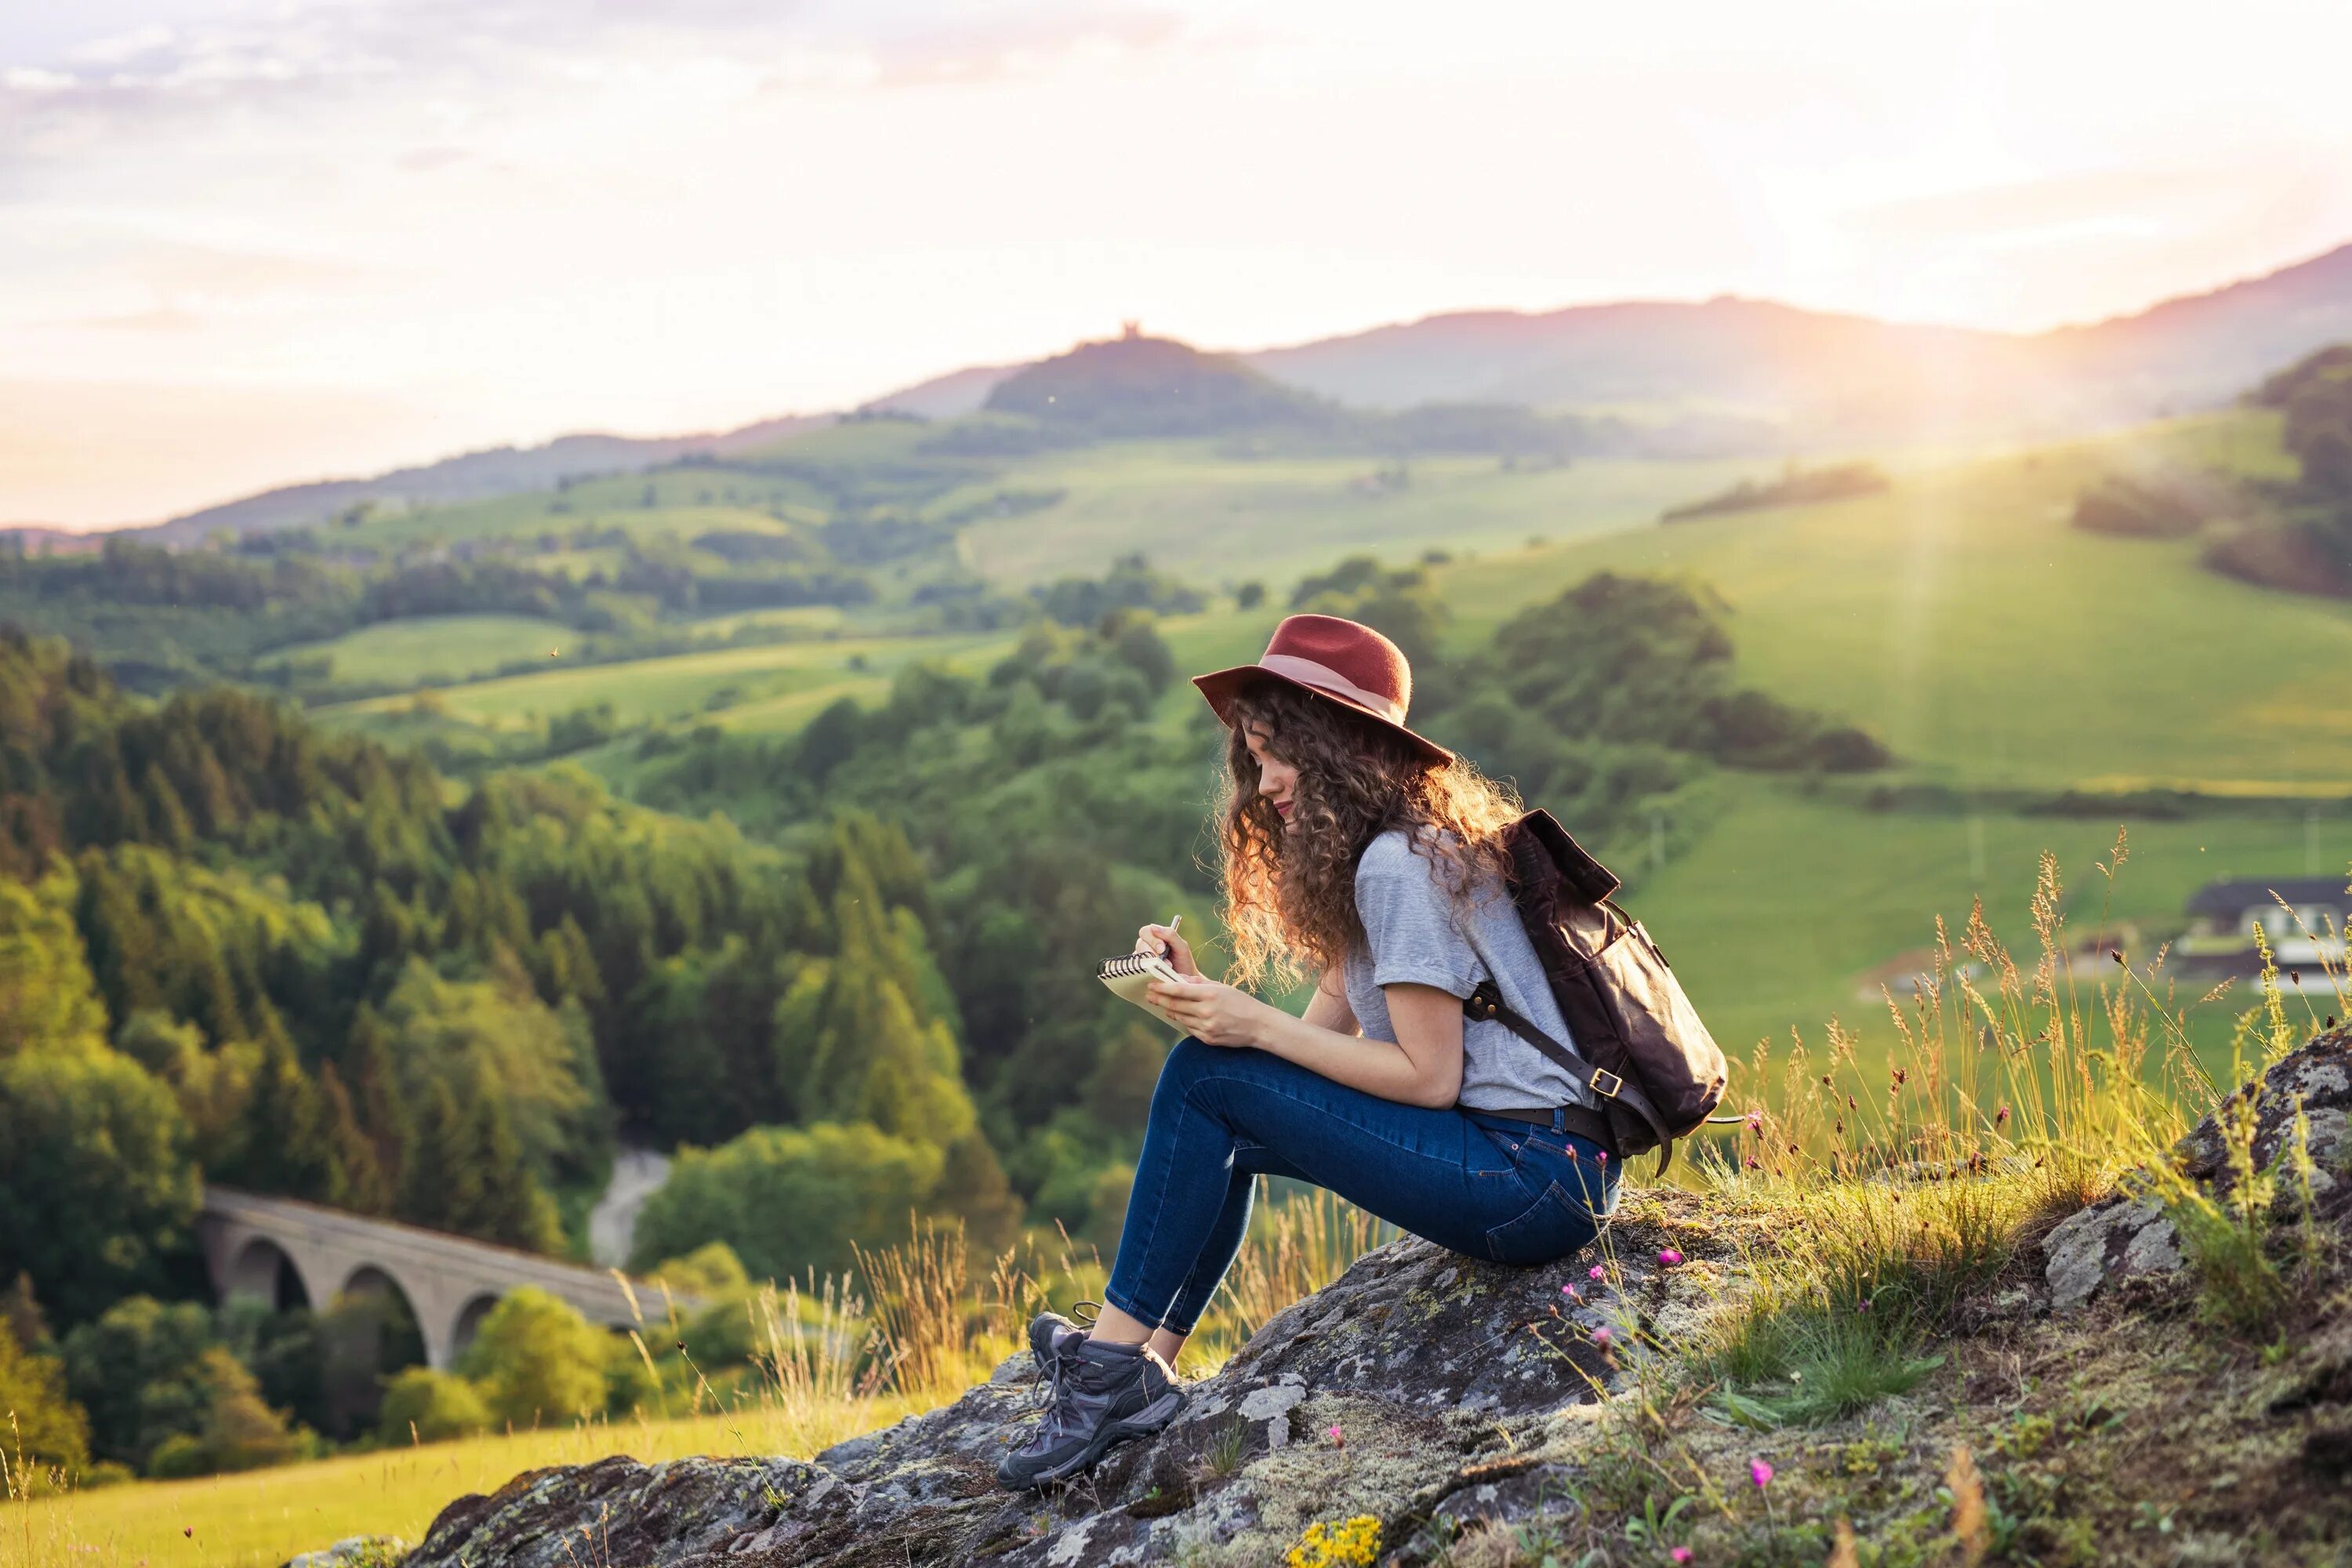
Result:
{"points": [[163, 319], [529, 215]]}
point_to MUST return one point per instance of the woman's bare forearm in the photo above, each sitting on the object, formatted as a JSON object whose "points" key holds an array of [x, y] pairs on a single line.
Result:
{"points": [[1377, 1067]]}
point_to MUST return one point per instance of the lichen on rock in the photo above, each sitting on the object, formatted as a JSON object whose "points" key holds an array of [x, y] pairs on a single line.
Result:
{"points": [[2127, 1234]]}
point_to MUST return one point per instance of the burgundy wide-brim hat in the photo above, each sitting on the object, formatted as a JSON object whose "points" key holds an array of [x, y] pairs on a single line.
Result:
{"points": [[1338, 660]]}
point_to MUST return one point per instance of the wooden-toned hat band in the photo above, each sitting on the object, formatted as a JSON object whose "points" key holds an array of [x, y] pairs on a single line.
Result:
{"points": [[1323, 678]]}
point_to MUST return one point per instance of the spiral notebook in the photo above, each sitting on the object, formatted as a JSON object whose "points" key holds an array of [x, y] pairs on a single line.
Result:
{"points": [[1130, 973]]}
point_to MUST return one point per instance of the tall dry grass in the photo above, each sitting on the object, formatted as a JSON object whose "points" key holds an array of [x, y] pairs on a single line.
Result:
{"points": [[2017, 1091]]}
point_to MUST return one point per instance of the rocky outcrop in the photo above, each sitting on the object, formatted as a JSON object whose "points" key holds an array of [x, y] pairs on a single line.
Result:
{"points": [[1420, 1385], [2127, 1236]]}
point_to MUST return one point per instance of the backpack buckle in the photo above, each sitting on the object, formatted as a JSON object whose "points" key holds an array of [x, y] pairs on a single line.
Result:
{"points": [[1606, 1083]]}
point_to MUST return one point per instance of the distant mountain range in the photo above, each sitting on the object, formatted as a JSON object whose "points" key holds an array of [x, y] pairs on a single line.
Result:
{"points": [[1820, 376], [1772, 374], [1821, 369], [472, 476]]}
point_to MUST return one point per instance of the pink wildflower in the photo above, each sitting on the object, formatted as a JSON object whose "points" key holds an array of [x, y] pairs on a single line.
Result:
{"points": [[1669, 1257], [1570, 1292], [1760, 1472], [1755, 1125], [1603, 1156], [1601, 1336], [1680, 1554], [1336, 1437], [1866, 1303], [1596, 1272]]}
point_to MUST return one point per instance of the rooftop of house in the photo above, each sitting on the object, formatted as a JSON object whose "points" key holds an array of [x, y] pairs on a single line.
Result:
{"points": [[2231, 898]]}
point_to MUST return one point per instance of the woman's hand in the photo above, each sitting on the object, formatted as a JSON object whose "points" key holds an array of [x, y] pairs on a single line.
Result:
{"points": [[1163, 940], [1212, 1012]]}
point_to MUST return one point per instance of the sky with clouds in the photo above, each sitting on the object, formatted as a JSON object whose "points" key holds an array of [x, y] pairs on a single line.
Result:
{"points": [[245, 242]]}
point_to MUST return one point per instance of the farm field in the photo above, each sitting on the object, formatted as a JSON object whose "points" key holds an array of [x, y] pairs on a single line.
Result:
{"points": [[686, 500], [260, 1518], [432, 650], [776, 685], [1218, 520]]}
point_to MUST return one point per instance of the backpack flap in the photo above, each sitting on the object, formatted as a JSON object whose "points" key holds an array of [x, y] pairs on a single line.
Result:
{"points": [[1583, 880]]}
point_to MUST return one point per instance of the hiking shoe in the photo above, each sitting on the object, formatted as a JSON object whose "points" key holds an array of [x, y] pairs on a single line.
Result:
{"points": [[1102, 1395]]}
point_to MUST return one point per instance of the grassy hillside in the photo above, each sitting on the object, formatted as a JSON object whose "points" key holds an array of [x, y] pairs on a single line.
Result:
{"points": [[1217, 518], [773, 685], [433, 649], [1960, 619]]}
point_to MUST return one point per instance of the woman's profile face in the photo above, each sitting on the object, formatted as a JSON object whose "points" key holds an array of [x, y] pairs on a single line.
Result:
{"points": [[1278, 781]]}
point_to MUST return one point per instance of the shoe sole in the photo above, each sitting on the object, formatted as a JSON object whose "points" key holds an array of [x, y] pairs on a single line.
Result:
{"points": [[1152, 1418]]}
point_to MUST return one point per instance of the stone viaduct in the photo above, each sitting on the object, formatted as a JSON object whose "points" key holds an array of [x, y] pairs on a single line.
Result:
{"points": [[254, 1246]]}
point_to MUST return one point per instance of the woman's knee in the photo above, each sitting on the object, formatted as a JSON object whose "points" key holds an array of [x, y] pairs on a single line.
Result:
{"points": [[1184, 1064]]}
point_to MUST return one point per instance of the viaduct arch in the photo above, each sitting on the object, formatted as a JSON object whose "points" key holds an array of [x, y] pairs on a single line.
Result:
{"points": [[255, 1247]]}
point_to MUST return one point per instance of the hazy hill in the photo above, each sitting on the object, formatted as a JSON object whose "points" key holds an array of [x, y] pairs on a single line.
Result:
{"points": [[948, 396], [1849, 375], [472, 475], [2206, 347], [1836, 374], [1138, 386]]}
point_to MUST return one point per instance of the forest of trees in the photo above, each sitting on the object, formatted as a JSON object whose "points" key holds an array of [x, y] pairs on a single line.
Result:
{"points": [[233, 943], [162, 616]]}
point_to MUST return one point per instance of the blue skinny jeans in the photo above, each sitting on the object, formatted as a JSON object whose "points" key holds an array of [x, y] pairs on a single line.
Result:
{"points": [[1487, 1187]]}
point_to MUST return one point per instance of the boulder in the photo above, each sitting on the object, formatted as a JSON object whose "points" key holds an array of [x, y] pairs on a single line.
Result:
{"points": [[2126, 1235], [1420, 1384]]}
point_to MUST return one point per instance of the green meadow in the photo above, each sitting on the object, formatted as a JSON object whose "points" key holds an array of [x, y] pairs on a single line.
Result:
{"points": [[1785, 908], [1217, 519], [764, 686], [1962, 620], [432, 650]]}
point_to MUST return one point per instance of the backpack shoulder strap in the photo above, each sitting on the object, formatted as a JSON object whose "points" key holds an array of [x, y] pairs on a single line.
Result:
{"points": [[1486, 1002]]}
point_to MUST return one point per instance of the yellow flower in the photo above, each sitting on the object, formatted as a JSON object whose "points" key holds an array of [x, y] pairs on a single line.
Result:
{"points": [[1344, 1543]]}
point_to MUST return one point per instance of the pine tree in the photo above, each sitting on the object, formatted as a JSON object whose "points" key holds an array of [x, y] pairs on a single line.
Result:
{"points": [[288, 1143], [358, 1181], [441, 1184], [513, 1208], [169, 818], [381, 1113]]}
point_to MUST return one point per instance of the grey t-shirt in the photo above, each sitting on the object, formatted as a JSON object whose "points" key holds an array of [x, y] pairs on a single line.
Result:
{"points": [[1417, 936]]}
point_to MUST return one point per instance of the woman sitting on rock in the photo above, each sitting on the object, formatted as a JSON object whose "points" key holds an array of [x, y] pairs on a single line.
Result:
{"points": [[1355, 850]]}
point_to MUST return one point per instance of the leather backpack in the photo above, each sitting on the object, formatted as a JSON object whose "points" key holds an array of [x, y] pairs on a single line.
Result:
{"points": [[1640, 1048]]}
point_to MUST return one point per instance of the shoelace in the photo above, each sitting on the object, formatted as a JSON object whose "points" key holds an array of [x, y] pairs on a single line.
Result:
{"points": [[1049, 1392]]}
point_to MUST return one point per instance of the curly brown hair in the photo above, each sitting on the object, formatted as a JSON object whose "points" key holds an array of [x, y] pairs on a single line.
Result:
{"points": [[1290, 888]]}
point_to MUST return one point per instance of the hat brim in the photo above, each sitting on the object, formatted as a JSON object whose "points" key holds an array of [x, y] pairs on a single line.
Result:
{"points": [[1221, 687]]}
